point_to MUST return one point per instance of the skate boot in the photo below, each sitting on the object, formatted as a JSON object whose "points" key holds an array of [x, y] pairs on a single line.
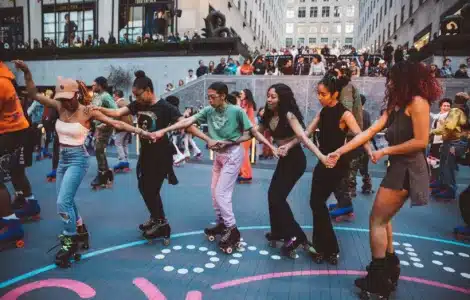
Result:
{"points": [[45, 153], [103, 180], [51, 176], [273, 239], [147, 225], [68, 250], [462, 233], [198, 155], [290, 246], [187, 156], [160, 229], [178, 159], [376, 282], [122, 166], [29, 212], [11, 234], [230, 240], [446, 195], [332, 206], [340, 214], [83, 237], [19, 201], [320, 258], [392, 264], [213, 232], [366, 185]]}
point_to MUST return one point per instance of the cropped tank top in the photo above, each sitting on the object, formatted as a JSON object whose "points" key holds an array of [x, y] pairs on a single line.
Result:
{"points": [[71, 134], [331, 136], [283, 130], [399, 127]]}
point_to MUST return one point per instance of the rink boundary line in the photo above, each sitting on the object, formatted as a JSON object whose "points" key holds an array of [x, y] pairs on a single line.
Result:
{"points": [[38, 271]]}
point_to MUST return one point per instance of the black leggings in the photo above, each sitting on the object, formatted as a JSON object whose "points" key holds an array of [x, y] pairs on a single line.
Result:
{"points": [[324, 182], [288, 171], [151, 180]]}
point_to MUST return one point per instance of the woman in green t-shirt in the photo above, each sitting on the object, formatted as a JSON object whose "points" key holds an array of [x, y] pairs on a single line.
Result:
{"points": [[227, 125]]}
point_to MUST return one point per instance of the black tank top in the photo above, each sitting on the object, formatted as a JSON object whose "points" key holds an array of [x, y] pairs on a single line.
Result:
{"points": [[332, 136], [282, 131], [399, 127]]}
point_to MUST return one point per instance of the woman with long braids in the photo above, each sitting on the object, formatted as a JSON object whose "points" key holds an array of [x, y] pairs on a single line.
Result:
{"points": [[410, 89], [227, 125], [249, 106], [156, 158], [73, 125], [334, 121]]}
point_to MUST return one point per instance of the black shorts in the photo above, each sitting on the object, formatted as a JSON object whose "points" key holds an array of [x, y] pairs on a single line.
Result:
{"points": [[16, 151]]}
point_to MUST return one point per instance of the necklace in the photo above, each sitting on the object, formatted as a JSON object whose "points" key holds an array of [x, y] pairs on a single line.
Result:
{"points": [[68, 117], [274, 122]]}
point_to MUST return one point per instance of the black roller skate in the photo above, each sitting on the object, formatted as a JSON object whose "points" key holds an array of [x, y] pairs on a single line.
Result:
{"points": [[103, 180], [29, 212], [213, 232], [290, 246], [230, 240], [393, 269], [376, 282], [273, 239], [320, 258], [83, 237], [160, 229], [68, 250], [366, 185], [147, 225], [19, 201]]}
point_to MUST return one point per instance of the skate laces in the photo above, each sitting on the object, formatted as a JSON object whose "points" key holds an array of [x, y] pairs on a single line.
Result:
{"points": [[226, 235], [64, 241]]}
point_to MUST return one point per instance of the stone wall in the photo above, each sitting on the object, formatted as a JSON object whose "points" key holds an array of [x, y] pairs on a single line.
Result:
{"points": [[304, 87]]}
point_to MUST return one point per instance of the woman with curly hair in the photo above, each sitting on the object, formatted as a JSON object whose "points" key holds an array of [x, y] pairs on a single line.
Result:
{"points": [[410, 90], [72, 126]]}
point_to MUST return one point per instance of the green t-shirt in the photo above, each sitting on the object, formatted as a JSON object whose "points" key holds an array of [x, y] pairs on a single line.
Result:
{"points": [[226, 124], [104, 100]]}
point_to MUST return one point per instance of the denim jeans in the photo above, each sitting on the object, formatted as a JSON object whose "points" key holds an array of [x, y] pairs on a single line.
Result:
{"points": [[122, 141], [73, 165], [448, 162]]}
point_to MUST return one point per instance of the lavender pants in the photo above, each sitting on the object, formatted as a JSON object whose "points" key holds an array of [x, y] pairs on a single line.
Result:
{"points": [[225, 172]]}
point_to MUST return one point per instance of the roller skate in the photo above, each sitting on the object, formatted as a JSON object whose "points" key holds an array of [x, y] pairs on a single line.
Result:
{"points": [[462, 233], [19, 201], [83, 237], [446, 195], [29, 212], [376, 282], [160, 229], [122, 166], [147, 225], [273, 239], [332, 206], [230, 240], [213, 232], [198, 155], [178, 159], [11, 234], [51, 176], [320, 258], [187, 156], [340, 214], [103, 180], [366, 185], [46, 154], [242, 180], [393, 269], [68, 250], [290, 246]]}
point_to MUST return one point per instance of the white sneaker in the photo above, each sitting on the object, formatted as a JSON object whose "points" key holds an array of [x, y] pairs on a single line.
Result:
{"points": [[178, 158]]}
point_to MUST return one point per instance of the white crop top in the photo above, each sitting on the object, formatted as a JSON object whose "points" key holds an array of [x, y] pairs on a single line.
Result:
{"points": [[71, 134]]}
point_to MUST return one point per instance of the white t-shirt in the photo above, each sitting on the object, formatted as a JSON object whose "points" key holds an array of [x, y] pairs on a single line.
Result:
{"points": [[438, 120]]}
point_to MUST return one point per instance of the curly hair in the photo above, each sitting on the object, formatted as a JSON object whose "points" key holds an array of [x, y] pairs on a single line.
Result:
{"points": [[287, 103], [85, 97], [408, 79], [332, 82]]}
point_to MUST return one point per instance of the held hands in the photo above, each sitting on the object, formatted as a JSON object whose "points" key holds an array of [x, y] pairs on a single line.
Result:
{"points": [[91, 108], [377, 155], [156, 135], [21, 65], [332, 159]]}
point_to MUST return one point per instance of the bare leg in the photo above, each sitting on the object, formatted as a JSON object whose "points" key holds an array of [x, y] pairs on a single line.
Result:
{"points": [[390, 248], [387, 203]]}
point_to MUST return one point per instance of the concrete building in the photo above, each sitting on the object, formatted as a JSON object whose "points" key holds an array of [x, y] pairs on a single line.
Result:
{"points": [[402, 22], [318, 22], [257, 22]]}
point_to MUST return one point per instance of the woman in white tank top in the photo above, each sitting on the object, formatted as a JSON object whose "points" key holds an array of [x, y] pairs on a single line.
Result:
{"points": [[71, 98]]}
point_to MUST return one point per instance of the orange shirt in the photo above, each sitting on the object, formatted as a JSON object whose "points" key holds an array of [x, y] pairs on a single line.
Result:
{"points": [[11, 113], [249, 111]]}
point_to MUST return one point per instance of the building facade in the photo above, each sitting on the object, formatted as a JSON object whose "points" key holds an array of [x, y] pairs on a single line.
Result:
{"points": [[315, 23], [402, 22], [257, 22]]}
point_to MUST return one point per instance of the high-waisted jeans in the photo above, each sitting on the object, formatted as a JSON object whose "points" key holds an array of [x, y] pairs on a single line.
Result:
{"points": [[73, 165]]}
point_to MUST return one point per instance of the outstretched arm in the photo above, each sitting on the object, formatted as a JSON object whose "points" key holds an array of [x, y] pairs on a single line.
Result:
{"points": [[182, 123], [31, 87], [118, 124], [260, 137], [115, 113], [352, 124]]}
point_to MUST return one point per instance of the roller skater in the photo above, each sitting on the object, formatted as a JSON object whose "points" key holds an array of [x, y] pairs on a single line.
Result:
{"points": [[159, 229], [213, 232], [225, 137], [122, 167], [340, 214], [104, 180], [11, 233], [51, 176]]}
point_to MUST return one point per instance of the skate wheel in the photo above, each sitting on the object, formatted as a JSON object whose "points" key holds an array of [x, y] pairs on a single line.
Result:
{"points": [[333, 261], [229, 250], [77, 256], [272, 244], [36, 218], [19, 244], [166, 242], [127, 170], [292, 254], [211, 238]]}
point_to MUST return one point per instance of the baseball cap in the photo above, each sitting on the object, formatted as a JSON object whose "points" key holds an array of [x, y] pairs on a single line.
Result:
{"points": [[65, 88]]}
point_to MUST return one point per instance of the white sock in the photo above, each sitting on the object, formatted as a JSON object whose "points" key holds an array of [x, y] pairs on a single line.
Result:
{"points": [[10, 217], [30, 197]]}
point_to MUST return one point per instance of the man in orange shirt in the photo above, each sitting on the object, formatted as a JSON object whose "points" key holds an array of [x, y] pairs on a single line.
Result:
{"points": [[15, 155]]}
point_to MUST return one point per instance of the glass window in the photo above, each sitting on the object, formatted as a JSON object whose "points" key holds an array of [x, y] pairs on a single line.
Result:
{"points": [[402, 16], [337, 12], [300, 41], [313, 12], [289, 27], [289, 42], [324, 40], [290, 13], [350, 11], [385, 8], [395, 23], [349, 28], [312, 41], [325, 11], [302, 12], [348, 41]]}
